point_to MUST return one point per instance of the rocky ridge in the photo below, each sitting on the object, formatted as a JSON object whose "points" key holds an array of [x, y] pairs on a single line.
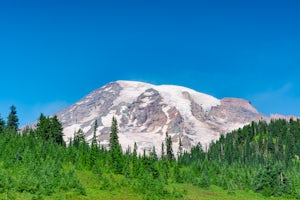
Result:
{"points": [[145, 112]]}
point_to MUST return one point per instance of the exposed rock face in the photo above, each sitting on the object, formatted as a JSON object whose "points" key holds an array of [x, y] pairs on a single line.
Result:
{"points": [[146, 112]]}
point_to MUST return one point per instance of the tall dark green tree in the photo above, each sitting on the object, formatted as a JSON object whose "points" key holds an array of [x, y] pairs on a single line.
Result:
{"points": [[163, 150], [170, 155], [12, 119], [94, 146], [94, 139], [180, 149], [43, 127], [79, 138], [2, 124], [115, 147], [56, 130], [113, 137], [50, 129]]}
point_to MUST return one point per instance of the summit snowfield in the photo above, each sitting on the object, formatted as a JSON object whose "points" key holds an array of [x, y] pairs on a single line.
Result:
{"points": [[145, 112]]}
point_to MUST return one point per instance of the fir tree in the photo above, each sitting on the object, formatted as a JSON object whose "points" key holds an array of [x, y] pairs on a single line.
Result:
{"points": [[162, 150], [50, 129], [94, 147], [79, 137], [113, 138], [134, 153], [271, 180], [153, 154], [56, 130], [115, 147], [2, 124], [170, 155], [205, 179], [12, 119], [180, 151], [43, 127], [135, 164]]}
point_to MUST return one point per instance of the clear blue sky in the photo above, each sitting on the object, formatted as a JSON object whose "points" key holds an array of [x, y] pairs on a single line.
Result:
{"points": [[52, 53]]}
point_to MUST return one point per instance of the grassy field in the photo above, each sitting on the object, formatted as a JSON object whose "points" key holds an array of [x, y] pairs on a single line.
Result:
{"points": [[96, 190]]}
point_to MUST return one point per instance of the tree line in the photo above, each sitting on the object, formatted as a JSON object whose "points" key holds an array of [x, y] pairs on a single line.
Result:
{"points": [[262, 157]]}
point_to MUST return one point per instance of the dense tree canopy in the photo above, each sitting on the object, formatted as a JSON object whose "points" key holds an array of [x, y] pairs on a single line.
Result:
{"points": [[262, 157]]}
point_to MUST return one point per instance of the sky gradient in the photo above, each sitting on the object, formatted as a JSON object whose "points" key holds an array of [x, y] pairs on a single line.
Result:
{"points": [[52, 53]]}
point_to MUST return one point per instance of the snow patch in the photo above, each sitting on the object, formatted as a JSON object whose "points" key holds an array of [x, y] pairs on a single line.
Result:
{"points": [[70, 130], [172, 95]]}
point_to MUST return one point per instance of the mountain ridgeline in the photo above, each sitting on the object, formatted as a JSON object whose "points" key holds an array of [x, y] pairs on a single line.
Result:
{"points": [[147, 112]]}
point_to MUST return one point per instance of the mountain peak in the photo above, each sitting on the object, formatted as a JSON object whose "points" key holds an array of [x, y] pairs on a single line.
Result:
{"points": [[145, 112]]}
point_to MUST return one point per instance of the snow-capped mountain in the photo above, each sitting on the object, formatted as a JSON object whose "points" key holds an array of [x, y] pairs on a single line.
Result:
{"points": [[145, 112]]}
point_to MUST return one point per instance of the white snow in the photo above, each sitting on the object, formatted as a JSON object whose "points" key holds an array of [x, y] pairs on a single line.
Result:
{"points": [[144, 141], [165, 110], [172, 95], [106, 120], [131, 90], [70, 130]]}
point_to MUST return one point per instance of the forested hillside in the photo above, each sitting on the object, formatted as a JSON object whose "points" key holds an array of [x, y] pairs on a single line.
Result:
{"points": [[37, 164]]}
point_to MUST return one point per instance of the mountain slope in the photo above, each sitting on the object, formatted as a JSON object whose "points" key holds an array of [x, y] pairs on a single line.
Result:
{"points": [[146, 112]]}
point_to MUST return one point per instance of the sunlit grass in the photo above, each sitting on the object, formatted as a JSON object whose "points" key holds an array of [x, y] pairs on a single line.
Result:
{"points": [[93, 184]]}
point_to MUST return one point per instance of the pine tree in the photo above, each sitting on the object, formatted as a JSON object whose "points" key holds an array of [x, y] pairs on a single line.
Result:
{"points": [[43, 127], [153, 154], [134, 153], [162, 150], [115, 147], [113, 138], [50, 129], [205, 179], [13, 120], [170, 155], [180, 151], [271, 180], [135, 164], [56, 130], [78, 138], [94, 147], [2, 124]]}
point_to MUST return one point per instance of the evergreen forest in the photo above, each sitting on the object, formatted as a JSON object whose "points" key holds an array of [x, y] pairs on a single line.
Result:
{"points": [[260, 160]]}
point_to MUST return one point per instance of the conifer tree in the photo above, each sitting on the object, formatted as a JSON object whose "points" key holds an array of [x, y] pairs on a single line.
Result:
{"points": [[50, 129], [205, 179], [43, 127], [113, 138], [94, 146], [153, 154], [56, 130], [78, 138], [135, 164], [115, 147], [94, 139], [12, 119], [170, 155], [134, 153], [271, 180], [179, 148], [162, 150], [2, 124]]}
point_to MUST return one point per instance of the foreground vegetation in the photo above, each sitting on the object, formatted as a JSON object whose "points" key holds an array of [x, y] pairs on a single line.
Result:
{"points": [[259, 161]]}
